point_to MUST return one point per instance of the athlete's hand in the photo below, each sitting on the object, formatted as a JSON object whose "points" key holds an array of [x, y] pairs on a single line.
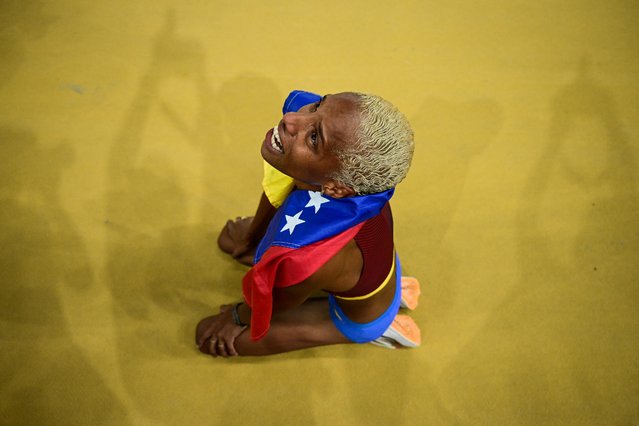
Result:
{"points": [[236, 241], [215, 335]]}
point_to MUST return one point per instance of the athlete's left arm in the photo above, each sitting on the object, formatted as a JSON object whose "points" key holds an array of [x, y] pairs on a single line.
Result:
{"points": [[333, 275], [340, 273]]}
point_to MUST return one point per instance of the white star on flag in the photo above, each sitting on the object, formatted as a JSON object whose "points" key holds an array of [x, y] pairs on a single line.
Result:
{"points": [[316, 200], [292, 222]]}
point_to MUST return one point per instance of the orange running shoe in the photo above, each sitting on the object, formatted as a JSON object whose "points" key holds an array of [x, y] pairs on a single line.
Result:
{"points": [[410, 293], [402, 332]]}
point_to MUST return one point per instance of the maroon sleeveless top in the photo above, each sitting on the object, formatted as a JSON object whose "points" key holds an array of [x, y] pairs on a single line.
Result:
{"points": [[375, 240]]}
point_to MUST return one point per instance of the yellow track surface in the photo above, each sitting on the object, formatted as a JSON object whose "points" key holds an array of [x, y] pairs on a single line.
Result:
{"points": [[130, 132]]}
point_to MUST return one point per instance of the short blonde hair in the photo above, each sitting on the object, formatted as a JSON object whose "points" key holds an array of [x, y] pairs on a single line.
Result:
{"points": [[381, 156]]}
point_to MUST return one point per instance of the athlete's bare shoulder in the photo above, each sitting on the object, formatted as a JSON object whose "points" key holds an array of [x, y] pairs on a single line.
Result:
{"points": [[341, 272]]}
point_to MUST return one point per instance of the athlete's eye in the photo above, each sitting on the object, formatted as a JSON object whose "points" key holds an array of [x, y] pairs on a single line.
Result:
{"points": [[314, 138], [315, 106]]}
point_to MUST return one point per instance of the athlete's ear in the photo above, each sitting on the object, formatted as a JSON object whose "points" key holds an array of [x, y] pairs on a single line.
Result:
{"points": [[337, 189]]}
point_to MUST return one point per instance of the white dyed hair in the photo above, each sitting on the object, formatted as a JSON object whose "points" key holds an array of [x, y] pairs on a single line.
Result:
{"points": [[381, 156]]}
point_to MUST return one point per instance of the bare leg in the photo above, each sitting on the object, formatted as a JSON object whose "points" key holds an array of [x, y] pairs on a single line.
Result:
{"points": [[305, 326]]}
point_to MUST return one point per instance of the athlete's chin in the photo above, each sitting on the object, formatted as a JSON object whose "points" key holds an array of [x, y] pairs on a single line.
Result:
{"points": [[273, 160], [264, 152], [268, 156]]}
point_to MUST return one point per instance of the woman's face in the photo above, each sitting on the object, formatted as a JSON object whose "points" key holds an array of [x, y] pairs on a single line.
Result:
{"points": [[302, 145]]}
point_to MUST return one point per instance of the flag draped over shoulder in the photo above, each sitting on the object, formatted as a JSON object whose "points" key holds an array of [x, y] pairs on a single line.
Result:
{"points": [[306, 231]]}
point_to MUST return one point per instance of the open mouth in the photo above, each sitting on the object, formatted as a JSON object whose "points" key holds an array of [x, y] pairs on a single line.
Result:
{"points": [[275, 140]]}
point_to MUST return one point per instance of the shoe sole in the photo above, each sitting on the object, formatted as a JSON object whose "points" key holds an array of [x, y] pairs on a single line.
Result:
{"points": [[404, 331], [410, 293]]}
